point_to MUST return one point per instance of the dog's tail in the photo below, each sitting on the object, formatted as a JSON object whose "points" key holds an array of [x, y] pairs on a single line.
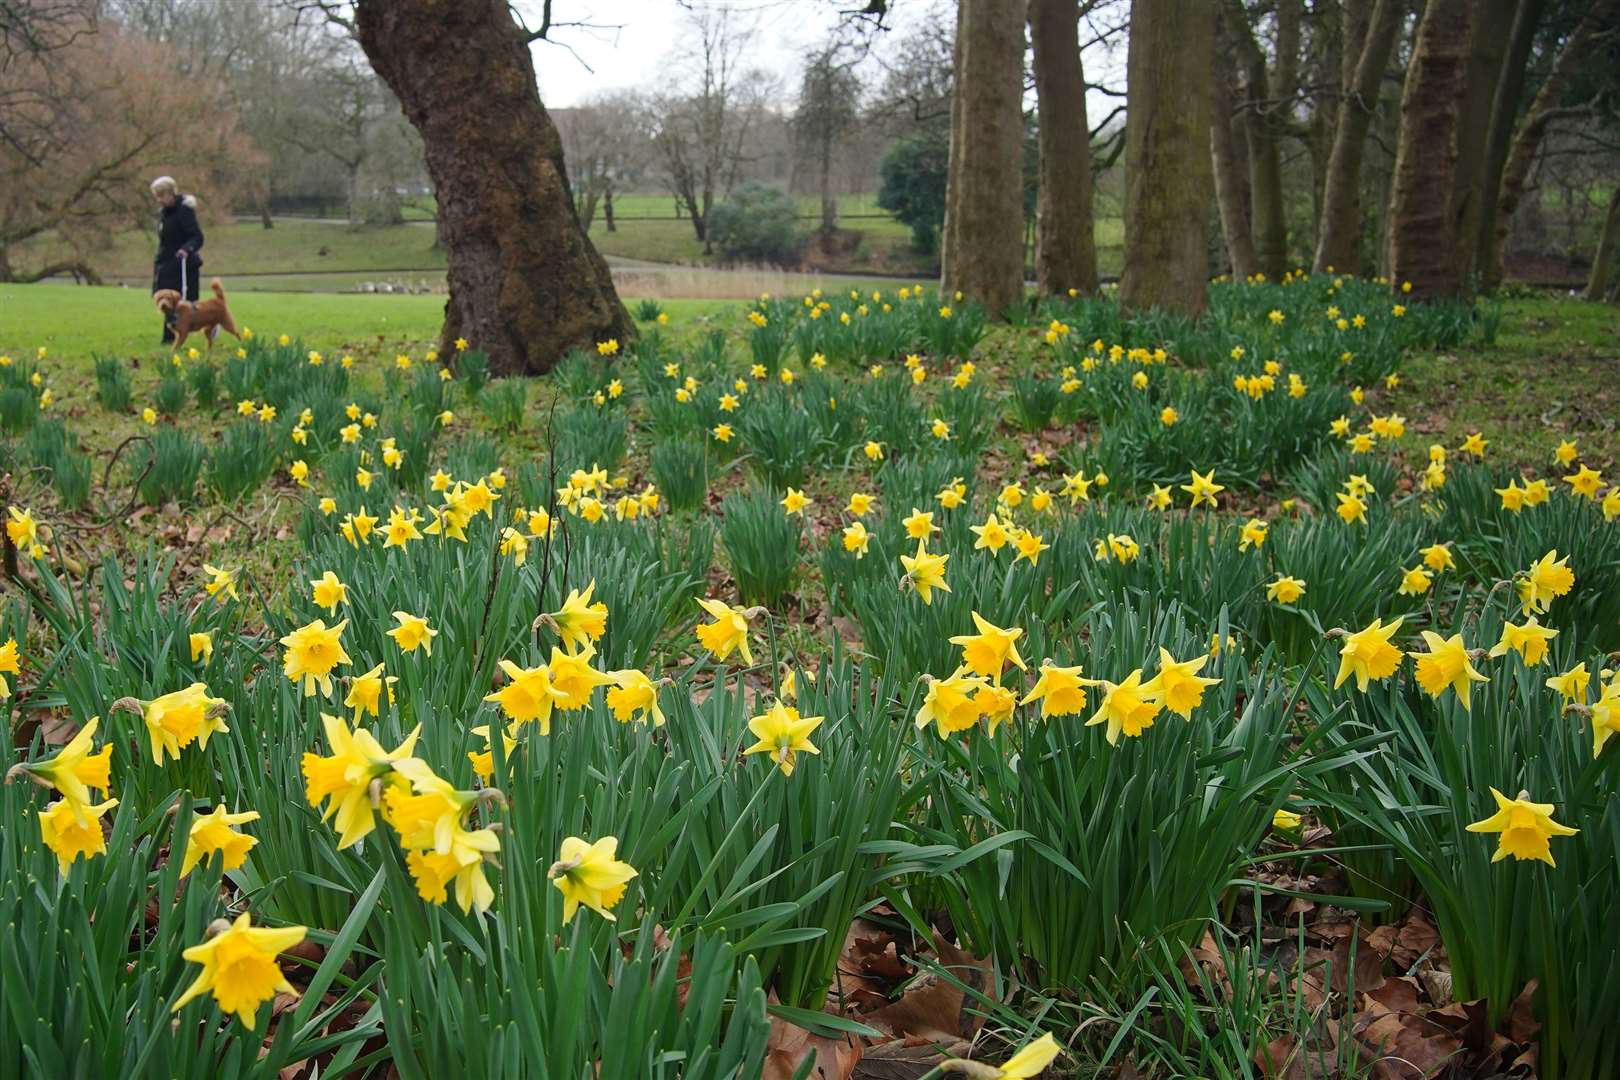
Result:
{"points": [[219, 290]]}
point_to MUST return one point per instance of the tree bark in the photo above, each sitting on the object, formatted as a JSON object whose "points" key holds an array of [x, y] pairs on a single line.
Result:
{"points": [[526, 284], [984, 253], [1231, 172], [1168, 186], [1487, 53], [1504, 116], [607, 210], [1604, 281], [1527, 137], [1065, 234], [1339, 233], [1422, 230]]}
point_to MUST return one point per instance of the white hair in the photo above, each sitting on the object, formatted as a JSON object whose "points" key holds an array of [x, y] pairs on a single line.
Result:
{"points": [[165, 185]]}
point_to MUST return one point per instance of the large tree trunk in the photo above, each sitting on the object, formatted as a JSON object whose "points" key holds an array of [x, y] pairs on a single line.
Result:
{"points": [[526, 285], [1604, 282], [1527, 138], [1422, 231], [984, 197], [1230, 166], [1065, 235], [1503, 118], [1167, 162], [1340, 229], [1488, 49]]}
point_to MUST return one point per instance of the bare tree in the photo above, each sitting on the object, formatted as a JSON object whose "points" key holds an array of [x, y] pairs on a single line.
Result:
{"points": [[701, 130], [829, 101], [1065, 235], [608, 144]]}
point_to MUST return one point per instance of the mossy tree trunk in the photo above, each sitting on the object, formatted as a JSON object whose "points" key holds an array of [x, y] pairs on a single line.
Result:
{"points": [[1422, 230], [1168, 185], [526, 284], [984, 196], [1065, 235]]}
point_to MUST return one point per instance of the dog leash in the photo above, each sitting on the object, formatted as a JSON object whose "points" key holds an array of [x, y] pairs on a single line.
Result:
{"points": [[183, 276]]}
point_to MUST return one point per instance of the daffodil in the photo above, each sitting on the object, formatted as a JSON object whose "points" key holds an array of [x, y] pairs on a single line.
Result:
{"points": [[220, 584], [216, 832], [175, 721], [1525, 827], [989, 650], [634, 697], [1127, 708], [795, 501], [728, 632], [590, 874], [1415, 582], [1548, 578], [366, 691], [1572, 684], [1437, 557], [313, 650], [1060, 690], [528, 697], [413, 632], [1253, 534], [579, 622], [74, 770], [573, 680], [345, 779], [1285, 590], [1178, 686], [328, 592], [239, 967], [1446, 664], [1528, 639], [992, 535], [782, 733], [1203, 489], [925, 572], [73, 830], [950, 704], [1368, 655]]}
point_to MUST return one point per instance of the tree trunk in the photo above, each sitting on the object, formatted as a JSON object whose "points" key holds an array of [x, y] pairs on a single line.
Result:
{"points": [[607, 209], [984, 252], [587, 212], [1339, 233], [1504, 116], [1604, 282], [1527, 138], [1267, 96], [264, 208], [1488, 48], [829, 205], [1168, 186], [1231, 172], [1065, 235], [526, 285], [1422, 231]]}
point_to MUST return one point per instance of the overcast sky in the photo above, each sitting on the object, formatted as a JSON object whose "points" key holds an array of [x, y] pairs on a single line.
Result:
{"points": [[629, 48]]}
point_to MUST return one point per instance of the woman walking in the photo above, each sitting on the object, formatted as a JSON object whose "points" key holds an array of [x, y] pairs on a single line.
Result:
{"points": [[177, 266]]}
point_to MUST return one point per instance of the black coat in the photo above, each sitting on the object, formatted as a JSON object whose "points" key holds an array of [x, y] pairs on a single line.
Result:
{"points": [[178, 231]]}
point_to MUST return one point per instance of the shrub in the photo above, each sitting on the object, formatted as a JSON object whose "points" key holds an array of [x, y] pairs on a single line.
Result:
{"points": [[241, 462], [204, 380], [171, 393], [167, 467], [587, 435], [648, 310], [504, 401], [756, 222]]}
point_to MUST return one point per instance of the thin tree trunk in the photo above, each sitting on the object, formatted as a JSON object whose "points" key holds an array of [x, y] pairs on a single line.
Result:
{"points": [[1168, 186], [1260, 114], [1422, 232], [1504, 117], [607, 209], [1604, 281], [1527, 138], [587, 212], [1065, 235], [985, 193], [1338, 236], [526, 285], [1488, 49], [829, 205], [1231, 172]]}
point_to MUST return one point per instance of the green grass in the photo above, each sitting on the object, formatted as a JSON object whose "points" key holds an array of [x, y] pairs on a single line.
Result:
{"points": [[1553, 374]]}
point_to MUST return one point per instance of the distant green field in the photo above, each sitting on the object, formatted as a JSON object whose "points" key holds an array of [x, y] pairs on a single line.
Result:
{"points": [[74, 322]]}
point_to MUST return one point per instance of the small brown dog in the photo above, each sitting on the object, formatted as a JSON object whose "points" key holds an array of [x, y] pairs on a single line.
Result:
{"points": [[208, 317]]}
